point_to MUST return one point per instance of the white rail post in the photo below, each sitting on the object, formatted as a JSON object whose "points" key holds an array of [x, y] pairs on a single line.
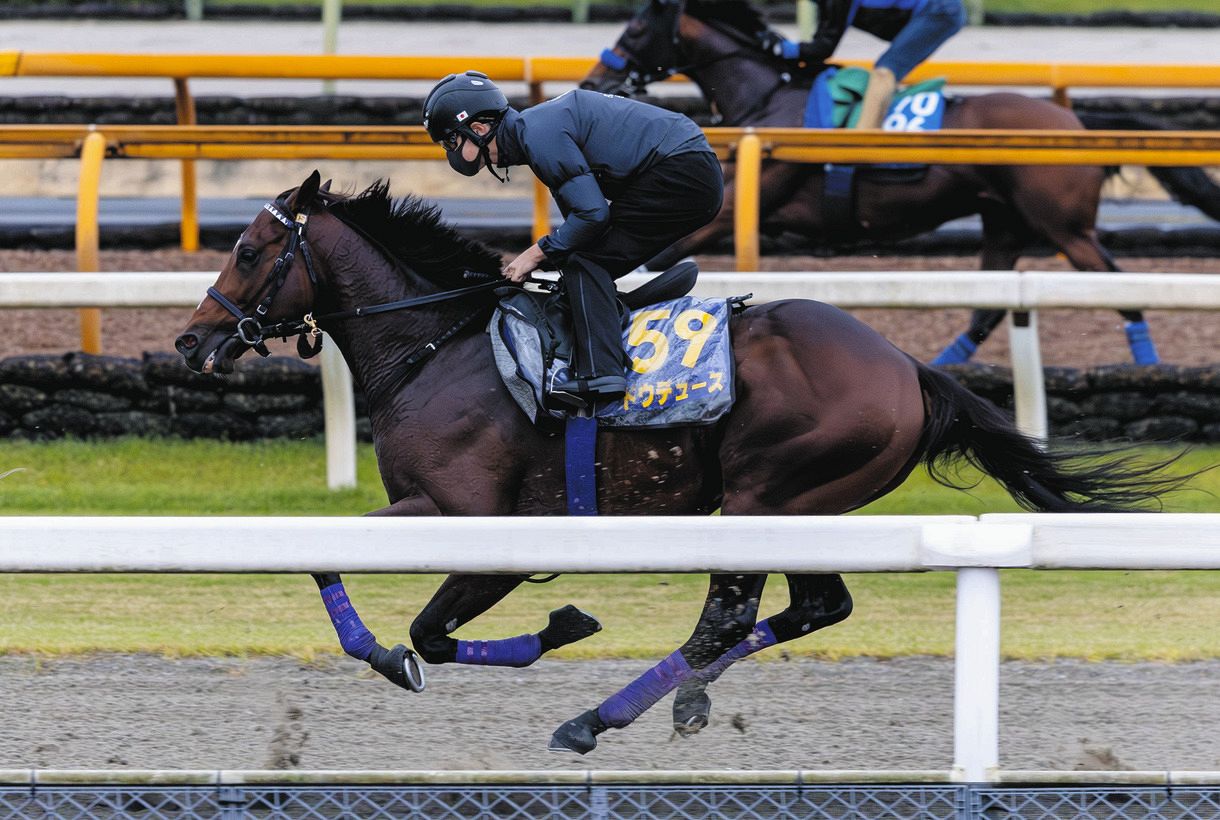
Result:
{"points": [[976, 676], [1028, 384], [339, 410]]}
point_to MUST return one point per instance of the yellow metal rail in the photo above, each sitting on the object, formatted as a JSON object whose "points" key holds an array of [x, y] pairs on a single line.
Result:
{"points": [[747, 147], [536, 71]]}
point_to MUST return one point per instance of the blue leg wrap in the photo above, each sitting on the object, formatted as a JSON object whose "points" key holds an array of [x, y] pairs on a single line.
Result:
{"points": [[1143, 351], [957, 353], [354, 636], [634, 699], [519, 651]]}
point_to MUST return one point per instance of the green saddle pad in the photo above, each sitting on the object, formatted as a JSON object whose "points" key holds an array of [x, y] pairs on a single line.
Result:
{"points": [[847, 88]]}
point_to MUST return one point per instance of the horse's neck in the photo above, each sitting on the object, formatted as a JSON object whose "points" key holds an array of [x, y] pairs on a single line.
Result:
{"points": [[737, 84], [377, 348]]}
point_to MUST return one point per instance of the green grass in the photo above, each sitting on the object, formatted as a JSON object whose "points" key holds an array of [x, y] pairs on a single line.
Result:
{"points": [[1095, 615]]}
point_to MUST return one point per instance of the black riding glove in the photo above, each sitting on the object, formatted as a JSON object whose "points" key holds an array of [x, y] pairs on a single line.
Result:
{"points": [[779, 46]]}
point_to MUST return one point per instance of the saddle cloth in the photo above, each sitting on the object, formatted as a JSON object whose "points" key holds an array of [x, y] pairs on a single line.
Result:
{"points": [[834, 102], [681, 370]]}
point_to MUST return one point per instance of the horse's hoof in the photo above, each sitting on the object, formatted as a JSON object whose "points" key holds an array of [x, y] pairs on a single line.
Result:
{"points": [[568, 625], [400, 666], [692, 706], [579, 734]]}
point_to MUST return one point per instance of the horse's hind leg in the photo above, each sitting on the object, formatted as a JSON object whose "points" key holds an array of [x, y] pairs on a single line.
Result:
{"points": [[1085, 252], [398, 664], [814, 602], [1004, 237], [728, 617], [462, 598]]}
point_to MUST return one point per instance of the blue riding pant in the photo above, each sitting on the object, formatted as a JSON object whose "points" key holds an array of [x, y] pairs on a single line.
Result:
{"points": [[933, 22]]}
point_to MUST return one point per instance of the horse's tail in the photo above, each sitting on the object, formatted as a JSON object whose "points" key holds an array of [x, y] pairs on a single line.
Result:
{"points": [[1190, 186], [961, 427]]}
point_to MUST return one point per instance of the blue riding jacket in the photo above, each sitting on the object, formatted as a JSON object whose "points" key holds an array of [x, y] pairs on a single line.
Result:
{"points": [[586, 147]]}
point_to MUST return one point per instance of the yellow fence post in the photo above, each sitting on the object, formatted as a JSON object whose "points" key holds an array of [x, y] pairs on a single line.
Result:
{"points": [[184, 105], [93, 151], [542, 196], [745, 215]]}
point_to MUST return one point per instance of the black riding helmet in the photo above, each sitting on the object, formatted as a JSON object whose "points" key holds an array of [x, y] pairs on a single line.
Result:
{"points": [[450, 108]]}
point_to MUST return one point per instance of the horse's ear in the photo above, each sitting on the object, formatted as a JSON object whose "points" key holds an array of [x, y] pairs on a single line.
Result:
{"points": [[326, 185], [307, 191]]}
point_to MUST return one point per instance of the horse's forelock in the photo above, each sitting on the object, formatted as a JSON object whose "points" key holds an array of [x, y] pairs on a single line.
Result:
{"points": [[412, 231]]}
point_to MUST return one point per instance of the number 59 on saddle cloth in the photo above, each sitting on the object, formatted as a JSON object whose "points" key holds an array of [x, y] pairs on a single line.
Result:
{"points": [[680, 373]]}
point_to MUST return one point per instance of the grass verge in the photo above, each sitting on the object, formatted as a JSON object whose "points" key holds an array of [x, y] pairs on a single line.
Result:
{"points": [[1094, 615]]}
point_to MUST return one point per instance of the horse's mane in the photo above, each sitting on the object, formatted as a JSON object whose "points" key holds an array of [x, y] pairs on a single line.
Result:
{"points": [[738, 14], [411, 230]]}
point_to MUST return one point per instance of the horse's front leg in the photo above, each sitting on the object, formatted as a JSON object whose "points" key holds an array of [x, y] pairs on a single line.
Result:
{"points": [[462, 598], [398, 664], [728, 617]]}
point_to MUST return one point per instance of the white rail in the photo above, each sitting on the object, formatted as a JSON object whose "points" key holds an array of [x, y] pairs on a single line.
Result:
{"points": [[1026, 291], [975, 548]]}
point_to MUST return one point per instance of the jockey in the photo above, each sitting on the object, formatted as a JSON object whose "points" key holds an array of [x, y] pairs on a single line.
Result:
{"points": [[915, 29], [655, 167]]}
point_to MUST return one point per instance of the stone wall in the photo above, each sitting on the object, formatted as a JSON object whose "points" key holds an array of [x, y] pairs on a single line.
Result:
{"points": [[76, 394]]}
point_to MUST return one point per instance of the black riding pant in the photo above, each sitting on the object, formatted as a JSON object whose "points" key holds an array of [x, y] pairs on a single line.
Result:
{"points": [[678, 195]]}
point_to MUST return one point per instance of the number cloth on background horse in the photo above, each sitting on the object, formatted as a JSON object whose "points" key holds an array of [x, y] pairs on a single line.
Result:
{"points": [[716, 44], [827, 417]]}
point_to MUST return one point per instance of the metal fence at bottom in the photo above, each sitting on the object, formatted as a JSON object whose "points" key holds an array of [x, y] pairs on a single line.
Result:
{"points": [[611, 802]]}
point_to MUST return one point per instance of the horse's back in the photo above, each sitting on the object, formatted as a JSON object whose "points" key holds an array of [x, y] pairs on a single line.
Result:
{"points": [[828, 412], [1009, 111]]}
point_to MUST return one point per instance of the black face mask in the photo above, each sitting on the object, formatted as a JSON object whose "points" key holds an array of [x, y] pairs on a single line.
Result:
{"points": [[471, 167], [463, 166]]}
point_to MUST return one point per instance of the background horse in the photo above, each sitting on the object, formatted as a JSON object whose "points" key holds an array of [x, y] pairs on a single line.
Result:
{"points": [[828, 417], [716, 45]]}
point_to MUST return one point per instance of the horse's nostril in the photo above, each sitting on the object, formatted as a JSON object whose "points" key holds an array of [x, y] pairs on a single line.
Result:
{"points": [[185, 343]]}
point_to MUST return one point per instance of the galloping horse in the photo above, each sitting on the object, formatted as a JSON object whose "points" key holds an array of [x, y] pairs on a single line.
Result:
{"points": [[828, 417], [716, 45]]}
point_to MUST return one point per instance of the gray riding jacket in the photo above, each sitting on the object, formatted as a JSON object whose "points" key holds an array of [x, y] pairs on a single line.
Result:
{"points": [[586, 147]]}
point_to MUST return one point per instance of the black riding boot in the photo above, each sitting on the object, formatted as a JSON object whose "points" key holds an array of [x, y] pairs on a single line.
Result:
{"points": [[597, 360]]}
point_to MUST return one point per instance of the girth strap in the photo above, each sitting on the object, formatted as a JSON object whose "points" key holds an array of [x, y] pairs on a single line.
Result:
{"points": [[580, 451]]}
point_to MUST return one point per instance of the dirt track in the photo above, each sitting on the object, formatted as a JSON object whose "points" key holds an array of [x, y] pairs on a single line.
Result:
{"points": [[142, 712]]}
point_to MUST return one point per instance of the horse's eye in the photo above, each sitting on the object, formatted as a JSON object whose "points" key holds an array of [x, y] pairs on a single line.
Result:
{"points": [[247, 256]]}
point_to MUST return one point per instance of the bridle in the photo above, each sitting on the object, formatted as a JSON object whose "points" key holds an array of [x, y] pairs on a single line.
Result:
{"points": [[250, 328], [252, 331]]}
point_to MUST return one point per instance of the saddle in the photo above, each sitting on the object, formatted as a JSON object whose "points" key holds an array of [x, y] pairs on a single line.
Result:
{"points": [[532, 340], [548, 314]]}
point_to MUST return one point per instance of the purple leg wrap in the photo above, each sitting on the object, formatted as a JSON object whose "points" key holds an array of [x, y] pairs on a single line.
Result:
{"points": [[354, 637], [756, 641], [519, 651], [636, 697]]}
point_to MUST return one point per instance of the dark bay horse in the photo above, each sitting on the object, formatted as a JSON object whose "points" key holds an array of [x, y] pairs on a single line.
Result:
{"points": [[828, 417], [714, 43]]}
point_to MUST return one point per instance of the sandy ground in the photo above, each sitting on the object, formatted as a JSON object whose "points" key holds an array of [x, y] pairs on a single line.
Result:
{"points": [[115, 712], [1069, 338]]}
